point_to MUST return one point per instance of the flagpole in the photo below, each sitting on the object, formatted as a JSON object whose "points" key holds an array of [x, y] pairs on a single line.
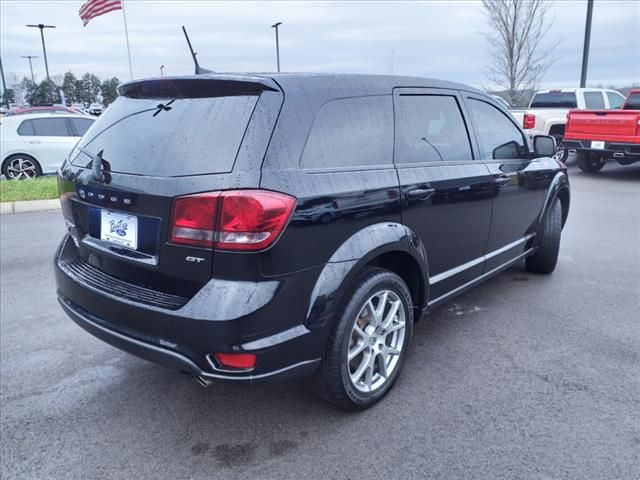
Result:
{"points": [[126, 34]]}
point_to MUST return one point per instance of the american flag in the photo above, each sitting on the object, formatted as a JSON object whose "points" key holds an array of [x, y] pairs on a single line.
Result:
{"points": [[94, 8]]}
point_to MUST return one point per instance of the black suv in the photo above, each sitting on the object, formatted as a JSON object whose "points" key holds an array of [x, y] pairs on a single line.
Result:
{"points": [[246, 227]]}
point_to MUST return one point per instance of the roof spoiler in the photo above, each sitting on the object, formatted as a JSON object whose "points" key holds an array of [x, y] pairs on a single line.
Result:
{"points": [[197, 86]]}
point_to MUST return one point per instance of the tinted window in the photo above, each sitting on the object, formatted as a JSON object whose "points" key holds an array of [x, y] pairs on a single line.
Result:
{"points": [[554, 100], [430, 128], [615, 100], [351, 132], [26, 128], [192, 136], [51, 127], [633, 102], [81, 125], [594, 100], [499, 138]]}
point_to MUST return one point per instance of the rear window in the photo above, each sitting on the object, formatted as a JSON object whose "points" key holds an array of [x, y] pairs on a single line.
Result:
{"points": [[50, 127], [351, 132], [430, 128], [633, 102], [26, 128], [554, 100], [594, 100], [161, 137], [81, 125]]}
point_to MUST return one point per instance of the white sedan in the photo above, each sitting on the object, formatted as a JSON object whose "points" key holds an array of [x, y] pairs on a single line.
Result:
{"points": [[35, 144]]}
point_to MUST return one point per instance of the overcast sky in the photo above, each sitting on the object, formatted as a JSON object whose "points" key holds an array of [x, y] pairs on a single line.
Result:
{"points": [[436, 39]]}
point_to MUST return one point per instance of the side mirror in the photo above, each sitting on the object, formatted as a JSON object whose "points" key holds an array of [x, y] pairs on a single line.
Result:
{"points": [[544, 145]]}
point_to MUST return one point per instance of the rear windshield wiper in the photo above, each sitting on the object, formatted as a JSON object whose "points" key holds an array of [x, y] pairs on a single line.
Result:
{"points": [[163, 106]]}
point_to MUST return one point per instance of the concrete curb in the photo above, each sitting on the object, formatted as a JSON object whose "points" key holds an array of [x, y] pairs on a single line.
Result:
{"points": [[29, 206]]}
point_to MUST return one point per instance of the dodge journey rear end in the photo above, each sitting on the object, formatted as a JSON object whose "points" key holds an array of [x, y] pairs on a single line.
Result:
{"points": [[254, 227]]}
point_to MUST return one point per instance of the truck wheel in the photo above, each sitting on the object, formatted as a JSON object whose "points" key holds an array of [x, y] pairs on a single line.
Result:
{"points": [[589, 162], [368, 345], [562, 154], [546, 257]]}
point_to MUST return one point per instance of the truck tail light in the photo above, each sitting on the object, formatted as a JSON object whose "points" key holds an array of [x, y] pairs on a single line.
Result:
{"points": [[528, 121], [230, 220]]}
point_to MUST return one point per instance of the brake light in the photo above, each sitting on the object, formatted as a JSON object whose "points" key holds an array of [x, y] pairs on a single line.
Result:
{"points": [[528, 121], [194, 218], [230, 220]]}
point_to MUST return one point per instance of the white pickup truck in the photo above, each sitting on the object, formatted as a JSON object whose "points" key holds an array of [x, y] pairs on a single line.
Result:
{"points": [[547, 112]]}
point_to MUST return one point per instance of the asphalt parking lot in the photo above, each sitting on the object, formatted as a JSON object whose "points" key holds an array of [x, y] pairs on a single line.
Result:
{"points": [[527, 376]]}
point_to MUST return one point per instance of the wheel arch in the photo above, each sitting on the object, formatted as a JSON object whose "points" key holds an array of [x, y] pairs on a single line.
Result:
{"points": [[388, 245], [559, 189]]}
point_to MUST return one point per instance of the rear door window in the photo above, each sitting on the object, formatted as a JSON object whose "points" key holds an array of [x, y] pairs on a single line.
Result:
{"points": [[51, 127], [351, 132], [499, 138], [615, 100], [160, 137], [430, 128], [594, 100]]}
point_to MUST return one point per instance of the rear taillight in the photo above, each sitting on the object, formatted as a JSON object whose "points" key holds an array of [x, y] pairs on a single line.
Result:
{"points": [[194, 219], [528, 121], [230, 220]]}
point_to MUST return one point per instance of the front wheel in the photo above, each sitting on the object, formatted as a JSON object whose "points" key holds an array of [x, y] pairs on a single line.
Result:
{"points": [[546, 257], [368, 345]]}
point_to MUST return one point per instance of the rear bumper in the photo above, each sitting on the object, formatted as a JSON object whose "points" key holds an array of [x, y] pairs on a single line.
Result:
{"points": [[183, 339], [611, 149], [170, 358]]}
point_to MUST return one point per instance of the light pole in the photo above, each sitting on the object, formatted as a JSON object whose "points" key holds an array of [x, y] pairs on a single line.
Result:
{"points": [[4, 82], [44, 49], [585, 49], [276, 25], [29, 57], [162, 70], [393, 54]]}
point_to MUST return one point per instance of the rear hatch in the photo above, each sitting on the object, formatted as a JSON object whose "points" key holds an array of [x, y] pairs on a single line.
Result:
{"points": [[606, 125], [161, 139]]}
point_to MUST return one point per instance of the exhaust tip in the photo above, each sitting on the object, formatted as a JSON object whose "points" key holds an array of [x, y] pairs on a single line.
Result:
{"points": [[204, 383]]}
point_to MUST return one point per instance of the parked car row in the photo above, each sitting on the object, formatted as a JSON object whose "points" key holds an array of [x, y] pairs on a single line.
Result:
{"points": [[33, 144]]}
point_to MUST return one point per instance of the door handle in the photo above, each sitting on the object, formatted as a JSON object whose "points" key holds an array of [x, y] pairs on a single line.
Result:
{"points": [[502, 180], [420, 193], [34, 141]]}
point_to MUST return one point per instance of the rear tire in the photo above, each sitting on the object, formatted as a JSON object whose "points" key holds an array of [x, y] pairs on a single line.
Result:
{"points": [[546, 257], [21, 166], [368, 344], [590, 163]]}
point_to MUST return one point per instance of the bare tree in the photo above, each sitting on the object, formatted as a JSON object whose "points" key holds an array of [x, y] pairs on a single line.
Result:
{"points": [[517, 29]]}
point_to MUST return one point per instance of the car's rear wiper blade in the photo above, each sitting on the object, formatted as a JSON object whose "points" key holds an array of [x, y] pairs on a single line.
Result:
{"points": [[163, 106]]}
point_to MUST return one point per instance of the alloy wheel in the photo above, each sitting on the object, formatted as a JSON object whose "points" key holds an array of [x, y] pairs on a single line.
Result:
{"points": [[377, 340], [20, 168]]}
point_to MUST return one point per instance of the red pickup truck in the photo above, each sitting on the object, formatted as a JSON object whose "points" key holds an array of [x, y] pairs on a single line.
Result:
{"points": [[599, 135]]}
